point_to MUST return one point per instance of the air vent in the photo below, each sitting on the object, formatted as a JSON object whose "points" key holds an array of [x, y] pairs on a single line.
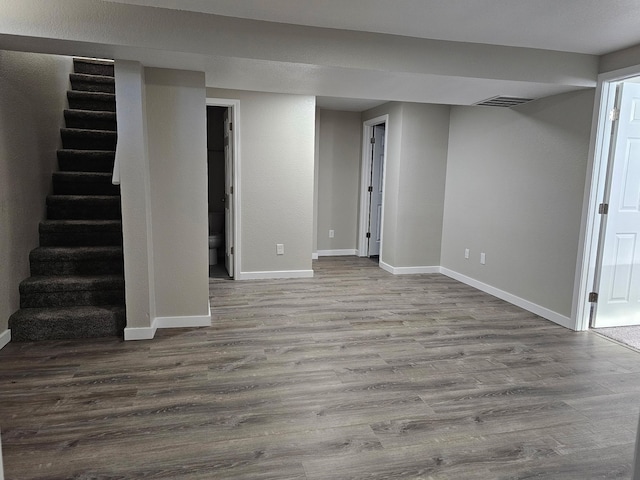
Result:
{"points": [[506, 102]]}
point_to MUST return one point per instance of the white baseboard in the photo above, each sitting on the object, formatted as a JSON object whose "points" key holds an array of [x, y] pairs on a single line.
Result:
{"points": [[513, 299], [5, 338], [274, 274], [147, 333], [336, 253], [408, 270], [314, 256]]}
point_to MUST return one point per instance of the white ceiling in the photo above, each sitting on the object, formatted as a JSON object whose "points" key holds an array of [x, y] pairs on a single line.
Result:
{"points": [[582, 26]]}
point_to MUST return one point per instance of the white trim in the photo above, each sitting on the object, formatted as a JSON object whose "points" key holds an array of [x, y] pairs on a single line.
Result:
{"points": [[314, 256], [408, 270], [365, 169], [5, 338], [140, 333], [147, 333], [234, 104], [336, 253], [513, 299], [274, 274], [595, 187]]}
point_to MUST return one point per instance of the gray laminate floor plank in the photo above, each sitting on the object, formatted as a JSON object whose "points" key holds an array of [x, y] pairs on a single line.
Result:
{"points": [[353, 374]]}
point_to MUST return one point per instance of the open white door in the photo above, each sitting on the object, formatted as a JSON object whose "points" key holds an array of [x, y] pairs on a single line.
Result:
{"points": [[618, 302], [228, 193], [376, 185]]}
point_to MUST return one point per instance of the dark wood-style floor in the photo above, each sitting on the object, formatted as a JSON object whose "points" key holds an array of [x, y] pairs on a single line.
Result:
{"points": [[354, 374]]}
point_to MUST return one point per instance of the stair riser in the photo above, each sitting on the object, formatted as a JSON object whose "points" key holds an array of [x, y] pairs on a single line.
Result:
{"points": [[106, 266], [84, 211], [89, 86], [93, 68], [88, 141], [85, 162], [85, 239], [70, 299], [89, 123], [92, 104], [33, 330], [82, 188]]}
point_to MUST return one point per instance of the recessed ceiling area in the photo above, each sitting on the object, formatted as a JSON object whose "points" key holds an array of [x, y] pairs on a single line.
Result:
{"points": [[350, 54], [592, 27]]}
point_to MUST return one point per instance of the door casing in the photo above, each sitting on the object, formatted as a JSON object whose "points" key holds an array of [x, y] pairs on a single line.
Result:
{"points": [[365, 171], [234, 116], [595, 188]]}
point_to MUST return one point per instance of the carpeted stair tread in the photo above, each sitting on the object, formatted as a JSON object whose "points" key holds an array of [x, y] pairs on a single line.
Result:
{"points": [[34, 324], [81, 139], [83, 207], [84, 183], [105, 102], [80, 233], [95, 260], [93, 66], [69, 283], [90, 119], [86, 160], [92, 83]]}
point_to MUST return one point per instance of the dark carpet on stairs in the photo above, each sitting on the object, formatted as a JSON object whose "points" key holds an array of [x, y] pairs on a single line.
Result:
{"points": [[76, 288]]}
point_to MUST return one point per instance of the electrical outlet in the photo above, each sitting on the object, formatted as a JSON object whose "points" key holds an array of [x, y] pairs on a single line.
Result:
{"points": [[483, 258], [280, 248], [466, 253], [332, 233]]}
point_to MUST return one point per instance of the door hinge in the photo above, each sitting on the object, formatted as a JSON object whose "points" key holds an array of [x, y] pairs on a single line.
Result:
{"points": [[230, 126], [373, 140], [593, 297], [370, 189], [614, 114], [368, 234], [231, 190], [603, 208], [231, 252]]}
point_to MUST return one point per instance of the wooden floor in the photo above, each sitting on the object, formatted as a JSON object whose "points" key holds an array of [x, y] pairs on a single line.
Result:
{"points": [[354, 374]]}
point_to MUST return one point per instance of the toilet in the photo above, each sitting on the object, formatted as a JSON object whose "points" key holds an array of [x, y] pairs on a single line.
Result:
{"points": [[216, 236]]}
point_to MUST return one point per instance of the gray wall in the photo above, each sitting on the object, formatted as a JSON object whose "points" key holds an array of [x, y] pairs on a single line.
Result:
{"points": [[177, 146], [276, 184], [425, 136], [514, 189], [33, 91], [339, 145], [628, 57], [417, 137]]}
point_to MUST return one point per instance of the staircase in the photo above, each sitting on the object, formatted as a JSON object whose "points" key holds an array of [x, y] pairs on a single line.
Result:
{"points": [[77, 285]]}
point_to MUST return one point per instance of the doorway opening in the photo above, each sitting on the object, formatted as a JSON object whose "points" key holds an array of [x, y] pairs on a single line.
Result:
{"points": [[609, 289], [223, 189], [374, 153]]}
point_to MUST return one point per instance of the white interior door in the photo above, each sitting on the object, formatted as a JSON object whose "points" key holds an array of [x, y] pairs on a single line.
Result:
{"points": [[619, 275], [228, 193], [375, 212]]}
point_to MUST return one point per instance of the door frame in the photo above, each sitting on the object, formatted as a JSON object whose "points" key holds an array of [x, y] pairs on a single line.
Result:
{"points": [[595, 188], [365, 175], [234, 115]]}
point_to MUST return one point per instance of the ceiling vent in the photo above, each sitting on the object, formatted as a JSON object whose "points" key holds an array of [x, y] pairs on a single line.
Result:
{"points": [[505, 102]]}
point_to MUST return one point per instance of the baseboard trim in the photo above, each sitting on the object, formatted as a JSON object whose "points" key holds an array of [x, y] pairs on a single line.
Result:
{"points": [[314, 256], [147, 333], [408, 270], [5, 338], [275, 274], [541, 311], [337, 253]]}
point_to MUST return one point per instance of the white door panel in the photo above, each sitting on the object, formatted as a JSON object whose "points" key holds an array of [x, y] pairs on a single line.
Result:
{"points": [[619, 280]]}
